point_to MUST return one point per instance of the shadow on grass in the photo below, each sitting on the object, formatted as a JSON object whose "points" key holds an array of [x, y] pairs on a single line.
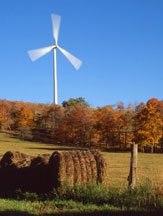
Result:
{"points": [[5, 140], [109, 213], [60, 148], [15, 213], [86, 213]]}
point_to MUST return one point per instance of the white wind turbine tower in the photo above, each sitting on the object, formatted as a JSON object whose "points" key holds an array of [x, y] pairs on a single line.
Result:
{"points": [[37, 53]]}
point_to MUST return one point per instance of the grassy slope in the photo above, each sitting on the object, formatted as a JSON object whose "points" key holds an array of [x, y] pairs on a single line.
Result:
{"points": [[149, 165], [10, 143]]}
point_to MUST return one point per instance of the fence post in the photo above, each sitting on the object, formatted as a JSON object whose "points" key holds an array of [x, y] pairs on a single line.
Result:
{"points": [[133, 166]]}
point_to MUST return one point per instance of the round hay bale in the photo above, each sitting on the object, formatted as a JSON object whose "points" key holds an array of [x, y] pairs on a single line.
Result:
{"points": [[77, 167], [15, 159], [14, 170], [44, 172], [101, 167]]}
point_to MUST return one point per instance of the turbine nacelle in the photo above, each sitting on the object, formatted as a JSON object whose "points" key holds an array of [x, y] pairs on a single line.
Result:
{"points": [[55, 46]]}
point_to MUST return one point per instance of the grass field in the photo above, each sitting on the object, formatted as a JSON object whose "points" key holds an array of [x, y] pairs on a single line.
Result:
{"points": [[150, 166]]}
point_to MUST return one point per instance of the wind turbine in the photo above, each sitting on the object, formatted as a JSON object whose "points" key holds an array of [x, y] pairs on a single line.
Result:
{"points": [[38, 53]]}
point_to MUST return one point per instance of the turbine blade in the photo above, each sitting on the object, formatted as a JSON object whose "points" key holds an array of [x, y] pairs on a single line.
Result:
{"points": [[38, 53], [74, 61], [55, 23]]}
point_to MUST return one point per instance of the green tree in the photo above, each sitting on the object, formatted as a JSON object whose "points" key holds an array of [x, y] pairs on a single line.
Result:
{"points": [[74, 102]]}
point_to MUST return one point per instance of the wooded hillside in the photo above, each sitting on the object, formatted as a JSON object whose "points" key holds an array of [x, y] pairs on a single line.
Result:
{"points": [[75, 123]]}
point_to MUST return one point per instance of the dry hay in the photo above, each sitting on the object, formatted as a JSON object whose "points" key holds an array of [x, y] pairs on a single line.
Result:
{"points": [[18, 170], [77, 167], [42, 173], [14, 170], [15, 159], [40, 161]]}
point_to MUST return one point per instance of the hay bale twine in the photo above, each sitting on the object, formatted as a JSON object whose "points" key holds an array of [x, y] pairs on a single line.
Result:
{"points": [[83, 168], [77, 167], [69, 167], [101, 167], [93, 167], [85, 155]]}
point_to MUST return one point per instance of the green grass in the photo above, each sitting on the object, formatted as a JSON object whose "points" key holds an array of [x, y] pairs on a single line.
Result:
{"points": [[66, 208], [14, 207], [91, 200]]}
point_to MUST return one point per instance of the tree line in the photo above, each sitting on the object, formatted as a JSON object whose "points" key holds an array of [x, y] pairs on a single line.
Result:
{"points": [[76, 123]]}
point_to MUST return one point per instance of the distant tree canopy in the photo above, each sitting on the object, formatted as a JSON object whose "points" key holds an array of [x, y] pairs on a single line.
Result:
{"points": [[74, 102], [75, 123]]}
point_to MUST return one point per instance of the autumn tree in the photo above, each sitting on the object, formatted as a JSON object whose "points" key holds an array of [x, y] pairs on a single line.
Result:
{"points": [[125, 126], [25, 122], [5, 120], [160, 107], [106, 126], [25, 117], [76, 125], [47, 122], [148, 125], [0, 117]]}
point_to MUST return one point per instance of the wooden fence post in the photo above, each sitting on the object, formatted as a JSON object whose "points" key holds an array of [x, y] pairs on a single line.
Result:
{"points": [[133, 166]]}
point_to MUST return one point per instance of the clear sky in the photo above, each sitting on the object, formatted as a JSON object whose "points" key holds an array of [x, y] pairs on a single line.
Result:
{"points": [[119, 41]]}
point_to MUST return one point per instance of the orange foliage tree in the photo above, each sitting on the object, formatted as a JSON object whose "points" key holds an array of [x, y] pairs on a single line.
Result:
{"points": [[148, 124], [76, 125], [25, 117], [5, 119], [106, 126]]}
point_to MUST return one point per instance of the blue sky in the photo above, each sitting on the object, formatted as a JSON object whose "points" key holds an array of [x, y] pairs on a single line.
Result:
{"points": [[119, 41]]}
